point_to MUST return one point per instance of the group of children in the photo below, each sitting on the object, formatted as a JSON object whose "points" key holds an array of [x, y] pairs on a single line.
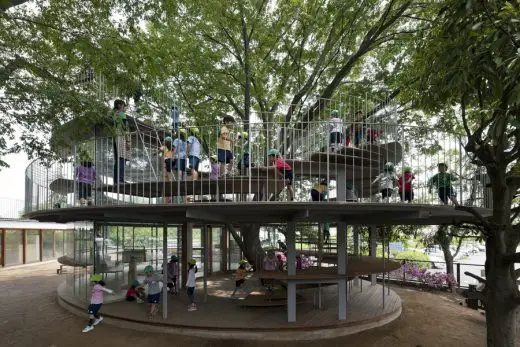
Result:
{"points": [[136, 292], [357, 135]]}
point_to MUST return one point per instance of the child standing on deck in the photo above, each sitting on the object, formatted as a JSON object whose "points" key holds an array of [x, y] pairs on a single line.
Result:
{"points": [[167, 151], [240, 275], [404, 182], [284, 169], [224, 146], [154, 290], [173, 272], [193, 149], [179, 153], [386, 181], [190, 284], [244, 163], [96, 301], [215, 168], [85, 178], [442, 182], [336, 132]]}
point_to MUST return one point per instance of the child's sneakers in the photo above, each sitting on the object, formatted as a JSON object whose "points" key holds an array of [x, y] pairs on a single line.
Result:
{"points": [[192, 307], [97, 321], [88, 328], [139, 301]]}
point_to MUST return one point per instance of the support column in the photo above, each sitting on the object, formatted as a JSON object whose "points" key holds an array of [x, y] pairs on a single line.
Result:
{"points": [[291, 270], [355, 233], [210, 249], [342, 270], [373, 249], [206, 246], [165, 273], [224, 249], [185, 252]]}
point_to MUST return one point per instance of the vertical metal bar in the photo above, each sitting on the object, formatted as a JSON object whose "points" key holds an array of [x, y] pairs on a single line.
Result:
{"points": [[205, 238], [291, 270], [165, 272]]}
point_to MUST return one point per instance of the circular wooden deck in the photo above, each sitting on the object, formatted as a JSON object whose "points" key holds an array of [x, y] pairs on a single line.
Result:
{"points": [[222, 317]]}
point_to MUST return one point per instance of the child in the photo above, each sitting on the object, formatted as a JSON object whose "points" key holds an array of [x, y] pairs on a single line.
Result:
{"points": [[357, 130], [442, 182], [134, 293], [240, 276], [319, 192], [244, 163], [215, 168], [190, 284], [284, 169], [404, 182], [96, 301], [271, 263], [121, 141], [176, 117], [173, 272], [224, 146], [167, 151], [336, 131], [154, 290], [85, 178], [179, 153], [193, 149], [386, 181]]}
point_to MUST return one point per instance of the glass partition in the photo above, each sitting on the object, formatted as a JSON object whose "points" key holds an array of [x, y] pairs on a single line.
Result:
{"points": [[48, 244], [13, 247], [32, 250]]}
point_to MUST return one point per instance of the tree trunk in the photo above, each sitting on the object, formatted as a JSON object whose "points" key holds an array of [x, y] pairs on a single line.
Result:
{"points": [[252, 248], [448, 258], [499, 293]]}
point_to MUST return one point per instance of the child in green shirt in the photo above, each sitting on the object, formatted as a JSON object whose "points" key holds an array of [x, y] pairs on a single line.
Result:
{"points": [[442, 182]]}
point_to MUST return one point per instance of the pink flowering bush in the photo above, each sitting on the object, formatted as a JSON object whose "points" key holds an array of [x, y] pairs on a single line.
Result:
{"points": [[436, 280]]}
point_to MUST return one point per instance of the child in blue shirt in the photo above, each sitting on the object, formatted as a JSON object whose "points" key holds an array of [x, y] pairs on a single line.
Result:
{"points": [[193, 149]]}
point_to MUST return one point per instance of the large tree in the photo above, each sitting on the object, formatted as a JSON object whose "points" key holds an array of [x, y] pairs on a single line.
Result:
{"points": [[468, 66]]}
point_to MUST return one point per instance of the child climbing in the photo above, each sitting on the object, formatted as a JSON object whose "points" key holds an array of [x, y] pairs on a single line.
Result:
{"points": [[154, 290], [240, 275], [285, 170], [335, 131], [135, 293], [179, 153], [121, 142], [96, 301], [404, 182], [244, 163], [85, 178], [193, 149], [386, 180], [173, 272], [190, 284], [167, 151], [215, 168], [442, 182], [225, 145]]}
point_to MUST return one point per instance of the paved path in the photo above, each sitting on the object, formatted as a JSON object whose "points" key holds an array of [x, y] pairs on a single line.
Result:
{"points": [[30, 317]]}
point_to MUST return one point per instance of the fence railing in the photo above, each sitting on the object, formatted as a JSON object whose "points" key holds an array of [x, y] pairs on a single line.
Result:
{"points": [[365, 163], [11, 208]]}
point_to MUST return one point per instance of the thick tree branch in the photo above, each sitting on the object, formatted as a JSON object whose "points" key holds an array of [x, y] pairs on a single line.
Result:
{"points": [[4, 5], [236, 236], [511, 258], [477, 214]]}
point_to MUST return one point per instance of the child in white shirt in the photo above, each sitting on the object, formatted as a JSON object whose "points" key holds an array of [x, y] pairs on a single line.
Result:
{"points": [[190, 284], [386, 180], [336, 132]]}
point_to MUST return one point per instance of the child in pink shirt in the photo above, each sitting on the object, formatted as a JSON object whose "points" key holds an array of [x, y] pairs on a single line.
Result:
{"points": [[285, 170], [96, 301]]}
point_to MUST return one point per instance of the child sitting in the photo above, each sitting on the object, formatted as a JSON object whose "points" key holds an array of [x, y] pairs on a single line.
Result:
{"points": [[240, 275], [404, 182], [442, 182], [386, 181], [135, 293], [284, 169]]}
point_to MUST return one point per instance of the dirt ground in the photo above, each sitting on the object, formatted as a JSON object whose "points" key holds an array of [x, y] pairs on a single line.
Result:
{"points": [[30, 316]]}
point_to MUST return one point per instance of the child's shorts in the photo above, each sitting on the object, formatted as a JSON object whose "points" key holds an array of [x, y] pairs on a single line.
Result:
{"points": [[193, 162], [406, 195], [180, 164], [335, 138], [445, 193], [244, 162], [93, 309], [238, 283], [168, 165], [224, 156], [386, 193], [317, 196], [84, 190], [288, 175], [154, 298], [190, 291]]}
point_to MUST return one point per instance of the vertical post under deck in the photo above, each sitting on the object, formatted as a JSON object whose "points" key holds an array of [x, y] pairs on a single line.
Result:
{"points": [[355, 232], [165, 273], [205, 238], [291, 270], [373, 249], [341, 237]]}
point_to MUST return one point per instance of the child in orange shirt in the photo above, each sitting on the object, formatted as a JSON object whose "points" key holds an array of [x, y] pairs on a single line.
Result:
{"points": [[240, 275]]}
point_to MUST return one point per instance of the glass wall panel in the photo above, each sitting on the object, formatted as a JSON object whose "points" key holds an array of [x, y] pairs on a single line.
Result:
{"points": [[48, 244], [59, 242], [13, 247], [216, 249], [1, 235], [234, 253], [32, 251]]}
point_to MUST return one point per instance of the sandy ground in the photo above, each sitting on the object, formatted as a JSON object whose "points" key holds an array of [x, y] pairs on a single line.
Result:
{"points": [[30, 316]]}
